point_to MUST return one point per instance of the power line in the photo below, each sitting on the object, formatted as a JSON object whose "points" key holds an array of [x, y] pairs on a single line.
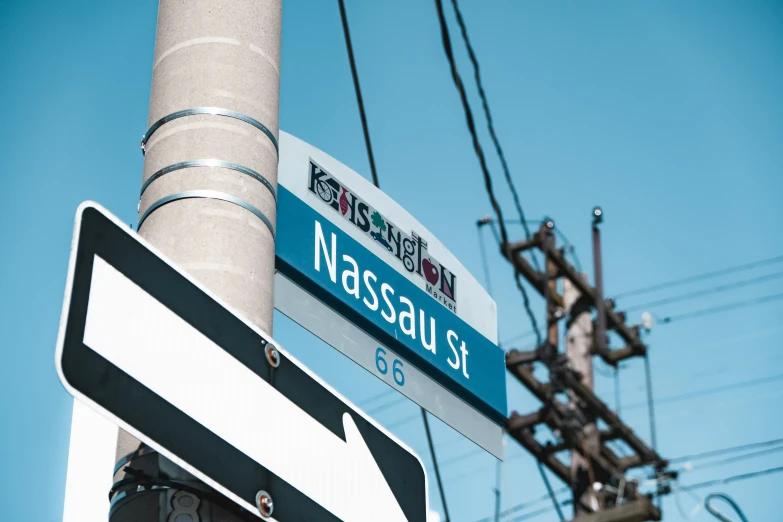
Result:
{"points": [[733, 478], [701, 391], [370, 400], [461, 457], [359, 99], [700, 293], [386, 406], [730, 501], [700, 277], [723, 308], [400, 422], [709, 391], [518, 337], [480, 153], [549, 490], [714, 453], [435, 464], [472, 472], [531, 514], [366, 130], [569, 248], [736, 458], [490, 124], [528, 503]]}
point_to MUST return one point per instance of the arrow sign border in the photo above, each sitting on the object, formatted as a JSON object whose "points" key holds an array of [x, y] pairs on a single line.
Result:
{"points": [[288, 496]]}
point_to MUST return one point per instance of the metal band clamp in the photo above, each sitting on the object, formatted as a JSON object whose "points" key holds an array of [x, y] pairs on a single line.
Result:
{"points": [[215, 111], [209, 163], [206, 194]]}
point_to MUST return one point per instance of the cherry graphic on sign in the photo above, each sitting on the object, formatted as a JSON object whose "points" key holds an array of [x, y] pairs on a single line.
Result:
{"points": [[344, 202], [430, 272]]}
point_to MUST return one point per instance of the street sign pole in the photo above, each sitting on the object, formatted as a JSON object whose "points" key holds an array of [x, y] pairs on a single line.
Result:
{"points": [[225, 403], [210, 174]]}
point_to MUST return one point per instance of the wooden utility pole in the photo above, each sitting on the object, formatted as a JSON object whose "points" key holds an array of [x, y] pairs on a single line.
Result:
{"points": [[579, 339], [574, 424]]}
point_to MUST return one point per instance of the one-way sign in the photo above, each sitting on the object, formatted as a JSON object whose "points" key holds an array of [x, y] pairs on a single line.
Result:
{"points": [[159, 355]]}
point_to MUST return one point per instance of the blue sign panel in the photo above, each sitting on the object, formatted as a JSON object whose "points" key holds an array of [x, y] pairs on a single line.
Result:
{"points": [[343, 274]]}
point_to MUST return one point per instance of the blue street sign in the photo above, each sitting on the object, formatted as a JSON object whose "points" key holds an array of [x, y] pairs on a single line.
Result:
{"points": [[358, 271], [335, 268]]}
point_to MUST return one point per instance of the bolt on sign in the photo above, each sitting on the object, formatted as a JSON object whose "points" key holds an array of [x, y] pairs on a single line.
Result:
{"points": [[358, 271]]}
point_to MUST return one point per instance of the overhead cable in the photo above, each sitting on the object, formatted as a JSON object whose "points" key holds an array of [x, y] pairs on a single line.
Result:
{"points": [[723, 308], [733, 478], [370, 400], [555, 503], [490, 124], [708, 291], [532, 514], [370, 156], [528, 503], [386, 405], [480, 153], [518, 337], [735, 458], [709, 391], [435, 464], [700, 277], [359, 99], [713, 453], [717, 514]]}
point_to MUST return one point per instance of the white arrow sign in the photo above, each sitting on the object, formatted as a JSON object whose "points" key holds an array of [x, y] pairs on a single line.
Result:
{"points": [[130, 328], [220, 389]]}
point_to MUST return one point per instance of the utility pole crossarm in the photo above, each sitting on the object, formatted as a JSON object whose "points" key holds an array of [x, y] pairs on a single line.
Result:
{"points": [[602, 411], [604, 435], [534, 277], [520, 246], [614, 320], [554, 415], [617, 429], [528, 441], [639, 510]]}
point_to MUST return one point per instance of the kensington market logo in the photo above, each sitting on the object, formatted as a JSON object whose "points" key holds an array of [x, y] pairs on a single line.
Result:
{"points": [[411, 250]]}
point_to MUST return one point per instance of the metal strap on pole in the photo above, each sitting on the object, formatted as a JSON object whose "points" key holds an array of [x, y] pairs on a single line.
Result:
{"points": [[215, 111], [206, 194], [209, 163]]}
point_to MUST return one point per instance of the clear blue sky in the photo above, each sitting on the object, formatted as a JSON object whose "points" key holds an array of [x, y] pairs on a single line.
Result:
{"points": [[669, 114]]}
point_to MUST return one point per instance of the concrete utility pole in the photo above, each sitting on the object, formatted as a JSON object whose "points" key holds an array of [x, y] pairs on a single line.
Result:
{"points": [[579, 339], [208, 199]]}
